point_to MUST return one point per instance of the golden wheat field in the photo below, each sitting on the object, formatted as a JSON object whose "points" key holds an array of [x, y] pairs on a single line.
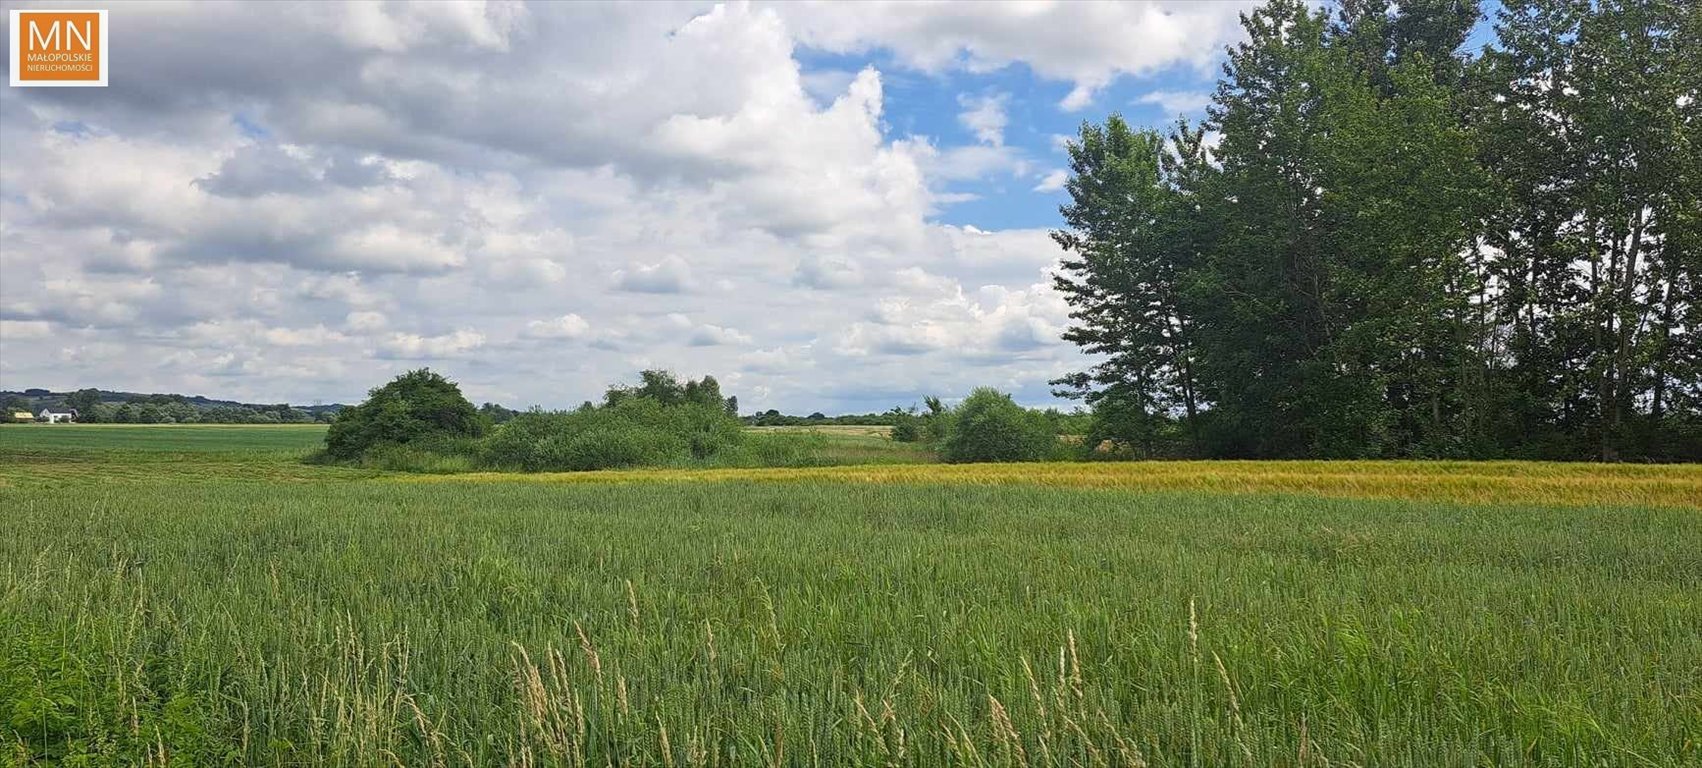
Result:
{"points": [[1508, 482]]}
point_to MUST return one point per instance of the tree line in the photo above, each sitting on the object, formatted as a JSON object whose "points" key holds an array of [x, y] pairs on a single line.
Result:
{"points": [[421, 422], [93, 406], [1379, 245]]}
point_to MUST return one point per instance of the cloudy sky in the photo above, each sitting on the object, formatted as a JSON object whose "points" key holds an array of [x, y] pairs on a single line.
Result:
{"points": [[833, 207]]}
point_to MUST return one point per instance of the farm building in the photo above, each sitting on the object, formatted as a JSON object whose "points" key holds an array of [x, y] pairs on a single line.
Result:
{"points": [[22, 416], [55, 417]]}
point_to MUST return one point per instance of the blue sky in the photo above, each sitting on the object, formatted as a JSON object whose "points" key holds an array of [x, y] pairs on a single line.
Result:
{"points": [[928, 104]]}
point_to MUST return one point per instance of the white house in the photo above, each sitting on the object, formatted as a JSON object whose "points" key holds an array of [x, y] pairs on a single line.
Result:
{"points": [[54, 417]]}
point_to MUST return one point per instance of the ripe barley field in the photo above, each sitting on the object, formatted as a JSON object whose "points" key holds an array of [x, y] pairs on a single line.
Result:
{"points": [[188, 596]]}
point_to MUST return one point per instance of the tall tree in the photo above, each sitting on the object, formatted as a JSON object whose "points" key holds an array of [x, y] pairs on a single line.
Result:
{"points": [[1591, 124], [1121, 278]]}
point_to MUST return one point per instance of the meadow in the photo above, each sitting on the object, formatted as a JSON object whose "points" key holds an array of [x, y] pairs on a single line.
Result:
{"points": [[198, 596]]}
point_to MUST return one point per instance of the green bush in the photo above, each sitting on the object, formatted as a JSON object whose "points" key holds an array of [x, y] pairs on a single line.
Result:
{"points": [[632, 431], [416, 406], [518, 444], [906, 427], [990, 426]]}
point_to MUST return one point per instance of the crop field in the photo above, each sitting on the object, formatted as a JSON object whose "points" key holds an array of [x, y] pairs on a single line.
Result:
{"points": [[198, 596]]}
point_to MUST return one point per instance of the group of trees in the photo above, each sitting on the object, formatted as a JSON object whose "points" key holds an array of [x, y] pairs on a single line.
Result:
{"points": [[1378, 246], [774, 418], [417, 407], [421, 420], [990, 426], [92, 407], [665, 389]]}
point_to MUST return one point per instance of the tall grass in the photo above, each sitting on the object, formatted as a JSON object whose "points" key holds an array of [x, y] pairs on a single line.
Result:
{"points": [[343, 621], [1505, 482]]}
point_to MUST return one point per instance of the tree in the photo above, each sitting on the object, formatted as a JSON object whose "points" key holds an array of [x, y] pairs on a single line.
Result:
{"points": [[1590, 116], [1127, 255], [497, 414], [1305, 288], [990, 426], [417, 405], [906, 427], [82, 399]]}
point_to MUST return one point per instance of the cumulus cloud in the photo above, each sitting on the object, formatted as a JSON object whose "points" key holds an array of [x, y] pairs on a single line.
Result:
{"points": [[1053, 181], [365, 322], [711, 335], [1087, 44], [415, 346], [985, 117], [1177, 102], [568, 326], [671, 275], [359, 188]]}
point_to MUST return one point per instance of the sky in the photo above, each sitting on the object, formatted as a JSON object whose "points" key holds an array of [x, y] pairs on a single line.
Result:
{"points": [[833, 207]]}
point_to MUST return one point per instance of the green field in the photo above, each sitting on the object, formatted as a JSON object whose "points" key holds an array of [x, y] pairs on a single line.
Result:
{"points": [[196, 596]]}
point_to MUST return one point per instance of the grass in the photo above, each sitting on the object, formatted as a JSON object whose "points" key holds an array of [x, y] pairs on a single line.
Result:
{"points": [[199, 611], [1506, 482], [247, 439], [859, 445]]}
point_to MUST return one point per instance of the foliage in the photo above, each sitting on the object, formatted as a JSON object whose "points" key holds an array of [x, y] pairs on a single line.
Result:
{"points": [[496, 414], [1399, 250], [660, 422], [416, 406], [906, 427], [990, 426], [665, 389]]}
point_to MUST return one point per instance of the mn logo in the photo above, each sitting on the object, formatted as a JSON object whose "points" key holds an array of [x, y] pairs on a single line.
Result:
{"points": [[58, 48]]}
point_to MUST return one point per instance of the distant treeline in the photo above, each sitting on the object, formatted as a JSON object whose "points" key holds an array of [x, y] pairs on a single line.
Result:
{"points": [[94, 406], [1067, 423], [1380, 245]]}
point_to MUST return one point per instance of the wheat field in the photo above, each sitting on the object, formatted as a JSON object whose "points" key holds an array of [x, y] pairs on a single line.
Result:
{"points": [[202, 598]]}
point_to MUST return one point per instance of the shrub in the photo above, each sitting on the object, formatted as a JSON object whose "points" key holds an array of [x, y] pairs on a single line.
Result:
{"points": [[990, 426], [906, 427], [618, 446], [633, 431], [418, 405], [519, 443]]}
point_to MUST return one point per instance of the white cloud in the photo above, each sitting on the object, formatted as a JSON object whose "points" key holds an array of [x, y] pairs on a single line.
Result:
{"points": [[1177, 102], [366, 322], [18, 330], [415, 346], [568, 326], [1086, 44], [671, 275], [985, 117], [317, 335], [711, 335], [1053, 181], [359, 188]]}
